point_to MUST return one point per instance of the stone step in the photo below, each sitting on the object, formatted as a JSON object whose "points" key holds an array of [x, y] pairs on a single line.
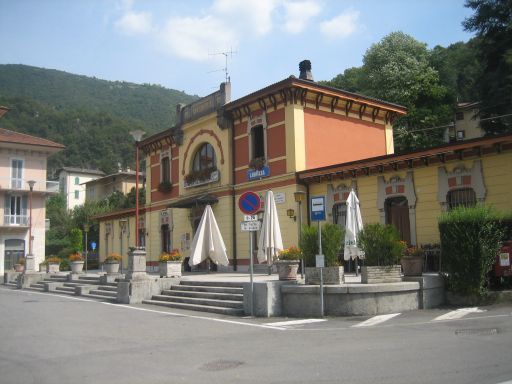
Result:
{"points": [[101, 292], [12, 284], [100, 297], [37, 289], [66, 289], [212, 283], [199, 301], [95, 278], [205, 295], [54, 278], [196, 307], [39, 285], [111, 288], [217, 289]]}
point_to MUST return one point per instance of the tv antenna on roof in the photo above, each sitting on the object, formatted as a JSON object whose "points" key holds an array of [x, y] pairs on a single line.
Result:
{"points": [[225, 69]]}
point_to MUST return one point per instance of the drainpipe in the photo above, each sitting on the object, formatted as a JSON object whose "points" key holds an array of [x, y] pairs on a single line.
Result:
{"points": [[235, 260]]}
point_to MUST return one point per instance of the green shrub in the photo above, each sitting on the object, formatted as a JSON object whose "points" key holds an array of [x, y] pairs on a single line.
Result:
{"points": [[381, 244], [332, 237], [75, 239], [470, 241]]}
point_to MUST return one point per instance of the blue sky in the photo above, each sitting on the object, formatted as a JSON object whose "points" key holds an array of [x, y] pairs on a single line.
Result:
{"points": [[173, 42]]}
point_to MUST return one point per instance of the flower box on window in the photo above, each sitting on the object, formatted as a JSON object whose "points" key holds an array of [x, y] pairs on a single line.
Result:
{"points": [[257, 163], [203, 176], [165, 187]]}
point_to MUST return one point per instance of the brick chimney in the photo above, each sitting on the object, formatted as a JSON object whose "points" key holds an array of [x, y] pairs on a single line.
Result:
{"points": [[305, 70]]}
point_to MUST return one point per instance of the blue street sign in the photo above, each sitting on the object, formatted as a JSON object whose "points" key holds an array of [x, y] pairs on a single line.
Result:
{"points": [[249, 203], [93, 245], [317, 208], [255, 174]]}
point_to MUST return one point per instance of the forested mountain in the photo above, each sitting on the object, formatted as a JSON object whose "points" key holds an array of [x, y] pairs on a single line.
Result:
{"points": [[91, 117]]}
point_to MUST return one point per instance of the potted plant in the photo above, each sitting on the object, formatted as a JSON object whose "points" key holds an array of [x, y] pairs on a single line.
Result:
{"points": [[382, 249], [170, 263], [165, 187], [332, 235], [76, 262], [287, 263], [52, 264], [258, 163], [20, 265], [412, 261], [112, 262]]}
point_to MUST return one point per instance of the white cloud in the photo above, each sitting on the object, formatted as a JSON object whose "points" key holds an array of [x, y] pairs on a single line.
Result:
{"points": [[341, 26], [248, 16], [298, 14], [133, 23], [194, 38]]}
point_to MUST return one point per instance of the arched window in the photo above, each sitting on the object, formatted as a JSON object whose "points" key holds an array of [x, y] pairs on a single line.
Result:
{"points": [[204, 158], [465, 197], [77, 180]]}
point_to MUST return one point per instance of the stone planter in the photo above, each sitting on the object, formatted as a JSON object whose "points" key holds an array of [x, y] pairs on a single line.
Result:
{"points": [[110, 267], [52, 267], [76, 266], [170, 269], [287, 269], [382, 274], [330, 275], [19, 267], [412, 266], [42, 267]]}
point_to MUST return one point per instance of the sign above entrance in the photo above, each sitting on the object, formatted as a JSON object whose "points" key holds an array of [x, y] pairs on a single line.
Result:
{"points": [[249, 203]]}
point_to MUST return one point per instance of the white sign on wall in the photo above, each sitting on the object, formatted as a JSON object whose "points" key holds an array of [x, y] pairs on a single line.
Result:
{"points": [[279, 198]]}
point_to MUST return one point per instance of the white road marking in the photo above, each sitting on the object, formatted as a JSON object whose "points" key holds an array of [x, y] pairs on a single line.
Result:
{"points": [[376, 320], [295, 322], [192, 316], [150, 310], [459, 313]]}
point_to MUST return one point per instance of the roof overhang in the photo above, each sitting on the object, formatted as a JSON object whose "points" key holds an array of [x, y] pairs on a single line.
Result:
{"points": [[193, 201]]}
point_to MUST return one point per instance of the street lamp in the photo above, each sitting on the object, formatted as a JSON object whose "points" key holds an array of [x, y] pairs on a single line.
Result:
{"points": [[299, 197], [86, 230], [137, 136]]}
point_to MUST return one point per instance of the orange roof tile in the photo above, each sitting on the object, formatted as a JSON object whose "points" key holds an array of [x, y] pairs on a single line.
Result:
{"points": [[7, 136]]}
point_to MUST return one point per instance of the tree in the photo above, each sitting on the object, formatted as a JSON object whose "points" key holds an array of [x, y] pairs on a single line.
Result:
{"points": [[398, 69], [492, 21]]}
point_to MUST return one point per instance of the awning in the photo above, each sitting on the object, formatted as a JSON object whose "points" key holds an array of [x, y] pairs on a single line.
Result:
{"points": [[194, 201]]}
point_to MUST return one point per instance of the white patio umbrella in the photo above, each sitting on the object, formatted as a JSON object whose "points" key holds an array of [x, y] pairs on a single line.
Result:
{"points": [[208, 241], [270, 242], [353, 226]]}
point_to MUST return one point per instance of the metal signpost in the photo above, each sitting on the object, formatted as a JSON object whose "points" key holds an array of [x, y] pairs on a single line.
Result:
{"points": [[317, 209], [250, 203]]}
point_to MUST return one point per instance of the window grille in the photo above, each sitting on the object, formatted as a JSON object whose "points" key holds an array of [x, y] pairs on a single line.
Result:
{"points": [[461, 197]]}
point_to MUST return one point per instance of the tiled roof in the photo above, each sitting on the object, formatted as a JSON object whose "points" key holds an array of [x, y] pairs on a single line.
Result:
{"points": [[7, 136], [81, 170]]}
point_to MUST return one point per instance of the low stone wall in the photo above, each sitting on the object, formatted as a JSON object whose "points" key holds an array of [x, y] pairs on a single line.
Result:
{"points": [[432, 290], [350, 299], [267, 298], [384, 274]]}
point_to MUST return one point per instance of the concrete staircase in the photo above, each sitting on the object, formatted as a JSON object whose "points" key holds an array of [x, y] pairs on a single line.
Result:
{"points": [[206, 296]]}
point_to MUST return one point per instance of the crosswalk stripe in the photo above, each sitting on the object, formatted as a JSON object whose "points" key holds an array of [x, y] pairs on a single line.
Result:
{"points": [[458, 313], [294, 322], [376, 320]]}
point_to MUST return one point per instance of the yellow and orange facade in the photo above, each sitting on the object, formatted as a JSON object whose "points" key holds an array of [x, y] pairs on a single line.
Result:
{"points": [[295, 136]]}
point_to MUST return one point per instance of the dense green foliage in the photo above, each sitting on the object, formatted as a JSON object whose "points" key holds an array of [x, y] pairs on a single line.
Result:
{"points": [[332, 236], [62, 238], [492, 21], [91, 117], [470, 240], [381, 244], [152, 105]]}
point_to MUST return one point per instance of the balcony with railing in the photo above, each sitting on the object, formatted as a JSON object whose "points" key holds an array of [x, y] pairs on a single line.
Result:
{"points": [[9, 184], [16, 220]]}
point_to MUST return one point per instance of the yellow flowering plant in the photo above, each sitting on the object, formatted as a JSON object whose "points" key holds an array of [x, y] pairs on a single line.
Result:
{"points": [[174, 255], [292, 253]]}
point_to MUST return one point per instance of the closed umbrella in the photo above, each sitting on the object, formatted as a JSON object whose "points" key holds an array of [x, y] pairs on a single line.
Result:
{"points": [[353, 226], [270, 242], [208, 242]]}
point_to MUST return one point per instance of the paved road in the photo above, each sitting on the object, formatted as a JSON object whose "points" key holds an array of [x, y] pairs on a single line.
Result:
{"points": [[46, 338]]}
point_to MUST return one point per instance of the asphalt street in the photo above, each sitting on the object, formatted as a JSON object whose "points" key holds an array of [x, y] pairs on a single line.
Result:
{"points": [[48, 338]]}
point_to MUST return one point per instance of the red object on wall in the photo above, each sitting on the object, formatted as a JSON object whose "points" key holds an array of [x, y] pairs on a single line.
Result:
{"points": [[500, 267]]}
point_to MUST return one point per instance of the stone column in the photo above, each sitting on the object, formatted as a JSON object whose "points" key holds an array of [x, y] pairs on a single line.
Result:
{"points": [[136, 264]]}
